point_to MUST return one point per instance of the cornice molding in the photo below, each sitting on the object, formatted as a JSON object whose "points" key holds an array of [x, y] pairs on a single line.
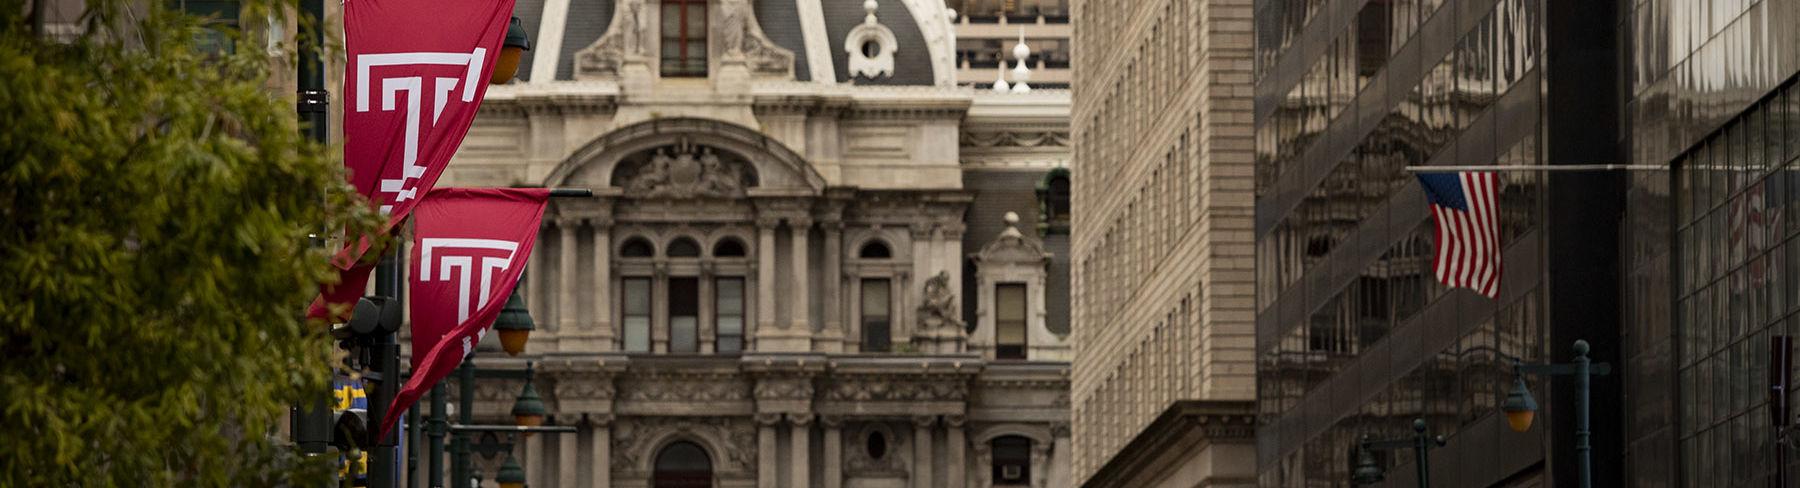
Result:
{"points": [[1183, 428]]}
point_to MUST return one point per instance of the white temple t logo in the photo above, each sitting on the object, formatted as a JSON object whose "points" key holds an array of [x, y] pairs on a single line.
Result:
{"points": [[404, 187], [466, 259]]}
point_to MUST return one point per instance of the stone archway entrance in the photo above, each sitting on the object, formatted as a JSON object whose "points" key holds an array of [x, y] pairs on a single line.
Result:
{"points": [[682, 465]]}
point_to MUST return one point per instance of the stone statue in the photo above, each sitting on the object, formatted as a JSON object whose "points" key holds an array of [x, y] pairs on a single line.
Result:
{"points": [[688, 171], [633, 33], [652, 176], [741, 40], [734, 23], [938, 307], [626, 40], [717, 179]]}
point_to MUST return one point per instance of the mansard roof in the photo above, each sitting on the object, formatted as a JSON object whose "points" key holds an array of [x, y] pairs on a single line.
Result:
{"points": [[922, 28]]}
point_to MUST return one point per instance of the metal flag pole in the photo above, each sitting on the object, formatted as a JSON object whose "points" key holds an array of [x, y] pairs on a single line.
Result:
{"points": [[1539, 167]]}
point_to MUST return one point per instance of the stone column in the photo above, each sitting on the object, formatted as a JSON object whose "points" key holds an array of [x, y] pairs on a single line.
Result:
{"points": [[923, 267], [853, 308], [601, 465], [766, 476], [984, 461], [537, 275], [765, 277], [800, 450], [565, 300], [954, 474], [834, 302], [921, 474], [936, 250], [900, 326], [1059, 456], [659, 307], [800, 309], [705, 330], [603, 283], [922, 250], [1039, 460], [534, 457], [834, 452], [950, 254], [565, 453]]}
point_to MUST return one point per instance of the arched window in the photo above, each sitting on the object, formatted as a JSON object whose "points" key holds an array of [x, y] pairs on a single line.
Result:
{"points": [[875, 250], [1053, 201], [637, 247], [1059, 196], [876, 445], [1012, 461], [729, 247], [683, 465], [684, 38], [684, 247]]}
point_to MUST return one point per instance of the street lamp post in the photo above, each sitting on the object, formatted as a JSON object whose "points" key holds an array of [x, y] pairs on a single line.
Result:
{"points": [[1367, 471], [1520, 407]]}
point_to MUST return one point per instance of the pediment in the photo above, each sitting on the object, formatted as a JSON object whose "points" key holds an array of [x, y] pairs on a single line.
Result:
{"points": [[687, 158], [1012, 246]]}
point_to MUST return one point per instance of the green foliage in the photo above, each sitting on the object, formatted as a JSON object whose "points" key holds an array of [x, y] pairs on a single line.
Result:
{"points": [[155, 205]]}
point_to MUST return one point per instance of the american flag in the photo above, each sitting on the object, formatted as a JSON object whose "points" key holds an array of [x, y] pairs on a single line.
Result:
{"points": [[1465, 207]]}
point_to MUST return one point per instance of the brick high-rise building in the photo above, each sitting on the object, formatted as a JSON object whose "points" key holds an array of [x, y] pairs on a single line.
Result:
{"points": [[1164, 286]]}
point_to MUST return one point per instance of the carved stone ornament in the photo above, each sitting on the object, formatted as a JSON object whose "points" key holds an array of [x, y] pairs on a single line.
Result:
{"points": [[870, 46], [1015, 139], [1013, 247], [681, 388], [583, 388], [635, 438], [683, 170], [894, 389], [740, 38], [629, 37], [784, 389], [860, 463], [938, 307]]}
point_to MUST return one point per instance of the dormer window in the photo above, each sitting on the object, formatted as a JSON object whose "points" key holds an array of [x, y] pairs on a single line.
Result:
{"points": [[1053, 202], [684, 38]]}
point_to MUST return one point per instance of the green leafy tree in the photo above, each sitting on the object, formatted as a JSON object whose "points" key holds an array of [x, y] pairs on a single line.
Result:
{"points": [[156, 203]]}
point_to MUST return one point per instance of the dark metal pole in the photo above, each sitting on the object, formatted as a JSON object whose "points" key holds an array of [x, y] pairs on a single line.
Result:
{"points": [[465, 387], [37, 18], [1781, 363], [1583, 446], [413, 442], [312, 423], [1422, 448], [439, 425], [386, 356]]}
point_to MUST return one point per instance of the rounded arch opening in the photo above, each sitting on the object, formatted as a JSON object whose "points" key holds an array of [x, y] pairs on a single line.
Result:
{"points": [[875, 249], [684, 247], [637, 247], [730, 247], [683, 464], [1011, 460]]}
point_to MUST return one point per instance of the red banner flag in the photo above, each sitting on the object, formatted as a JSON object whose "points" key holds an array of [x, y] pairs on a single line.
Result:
{"points": [[469, 248], [416, 73]]}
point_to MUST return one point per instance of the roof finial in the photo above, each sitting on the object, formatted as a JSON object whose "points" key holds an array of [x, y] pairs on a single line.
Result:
{"points": [[1000, 77], [870, 6], [1021, 73]]}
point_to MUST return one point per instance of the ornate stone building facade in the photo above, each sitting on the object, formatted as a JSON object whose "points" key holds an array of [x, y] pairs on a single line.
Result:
{"points": [[1163, 382], [811, 260]]}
